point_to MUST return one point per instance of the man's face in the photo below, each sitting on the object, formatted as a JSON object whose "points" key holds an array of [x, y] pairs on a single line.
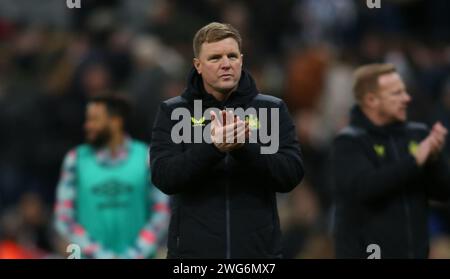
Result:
{"points": [[220, 65], [392, 98], [97, 125]]}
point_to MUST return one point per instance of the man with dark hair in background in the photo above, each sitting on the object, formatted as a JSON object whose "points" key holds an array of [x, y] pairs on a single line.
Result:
{"points": [[223, 200], [106, 203], [385, 171]]}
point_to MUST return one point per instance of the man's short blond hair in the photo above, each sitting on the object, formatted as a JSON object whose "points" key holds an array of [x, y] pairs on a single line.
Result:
{"points": [[215, 32], [366, 78]]}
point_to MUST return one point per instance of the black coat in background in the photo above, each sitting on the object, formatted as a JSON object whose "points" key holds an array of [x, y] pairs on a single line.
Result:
{"points": [[381, 195]]}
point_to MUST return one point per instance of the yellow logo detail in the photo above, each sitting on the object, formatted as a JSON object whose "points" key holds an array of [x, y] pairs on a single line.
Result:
{"points": [[413, 146], [198, 122], [379, 149], [253, 122]]}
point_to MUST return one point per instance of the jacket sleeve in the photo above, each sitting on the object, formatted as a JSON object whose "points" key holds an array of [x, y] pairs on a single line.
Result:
{"points": [[438, 175], [284, 169], [357, 178], [174, 169]]}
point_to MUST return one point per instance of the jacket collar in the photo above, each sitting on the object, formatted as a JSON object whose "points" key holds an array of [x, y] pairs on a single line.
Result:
{"points": [[359, 119], [104, 156], [244, 93]]}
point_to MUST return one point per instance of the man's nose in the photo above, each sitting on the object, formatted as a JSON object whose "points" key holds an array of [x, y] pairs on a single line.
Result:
{"points": [[407, 98], [226, 62]]}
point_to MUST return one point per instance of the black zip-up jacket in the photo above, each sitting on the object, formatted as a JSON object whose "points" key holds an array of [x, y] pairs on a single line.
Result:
{"points": [[381, 195], [223, 205]]}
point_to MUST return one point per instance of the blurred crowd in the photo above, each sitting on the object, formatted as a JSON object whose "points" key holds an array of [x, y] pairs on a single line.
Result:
{"points": [[52, 59]]}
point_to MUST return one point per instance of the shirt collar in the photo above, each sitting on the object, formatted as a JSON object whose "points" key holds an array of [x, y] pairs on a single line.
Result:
{"points": [[104, 156]]}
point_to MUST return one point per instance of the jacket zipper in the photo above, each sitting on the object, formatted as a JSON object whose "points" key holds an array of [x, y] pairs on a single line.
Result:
{"points": [[227, 212], [227, 206], [178, 228], [405, 207]]}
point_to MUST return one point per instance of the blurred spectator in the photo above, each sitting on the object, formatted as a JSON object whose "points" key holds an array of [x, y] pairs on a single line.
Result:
{"points": [[25, 230], [155, 67], [440, 248], [106, 203], [305, 77], [302, 222]]}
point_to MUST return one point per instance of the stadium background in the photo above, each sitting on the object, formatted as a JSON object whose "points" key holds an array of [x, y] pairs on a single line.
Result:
{"points": [[52, 59]]}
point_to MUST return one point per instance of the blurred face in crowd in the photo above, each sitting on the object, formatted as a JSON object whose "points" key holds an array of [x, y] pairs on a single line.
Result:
{"points": [[220, 64], [96, 80], [98, 124], [391, 99]]}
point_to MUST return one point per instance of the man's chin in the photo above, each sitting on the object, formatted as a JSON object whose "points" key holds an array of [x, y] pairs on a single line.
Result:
{"points": [[402, 118], [227, 88], [95, 143]]}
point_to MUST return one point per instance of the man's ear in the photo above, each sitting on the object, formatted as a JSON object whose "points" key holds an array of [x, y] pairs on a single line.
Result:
{"points": [[370, 99], [197, 65]]}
